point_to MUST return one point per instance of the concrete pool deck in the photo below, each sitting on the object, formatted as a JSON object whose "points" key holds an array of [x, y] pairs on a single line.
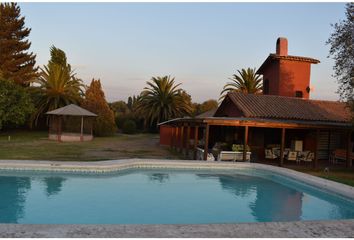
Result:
{"points": [[333, 228], [303, 229]]}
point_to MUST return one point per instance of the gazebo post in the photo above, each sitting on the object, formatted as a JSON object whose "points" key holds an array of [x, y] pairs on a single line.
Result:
{"points": [[82, 129], [59, 128], [91, 127]]}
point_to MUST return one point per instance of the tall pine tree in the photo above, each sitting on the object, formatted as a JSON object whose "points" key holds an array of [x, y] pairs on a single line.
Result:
{"points": [[95, 102], [16, 63]]}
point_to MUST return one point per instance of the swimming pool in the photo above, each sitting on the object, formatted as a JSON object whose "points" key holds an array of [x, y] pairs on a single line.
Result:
{"points": [[163, 196]]}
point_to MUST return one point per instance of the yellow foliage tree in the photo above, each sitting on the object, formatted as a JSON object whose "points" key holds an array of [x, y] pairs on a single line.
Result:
{"points": [[95, 102]]}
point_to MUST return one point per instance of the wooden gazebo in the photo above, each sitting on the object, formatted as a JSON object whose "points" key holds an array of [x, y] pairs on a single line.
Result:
{"points": [[70, 124]]}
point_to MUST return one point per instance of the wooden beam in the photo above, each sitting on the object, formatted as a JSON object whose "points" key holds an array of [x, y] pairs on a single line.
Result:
{"points": [[195, 142], [282, 143], [187, 141], [242, 123], [206, 142], [315, 161], [349, 150], [245, 142]]}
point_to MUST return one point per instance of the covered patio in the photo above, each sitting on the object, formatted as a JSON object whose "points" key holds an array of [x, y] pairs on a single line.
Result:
{"points": [[191, 136]]}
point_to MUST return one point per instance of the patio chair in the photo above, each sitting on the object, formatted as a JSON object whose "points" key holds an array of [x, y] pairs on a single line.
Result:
{"points": [[269, 154], [276, 151], [310, 157], [292, 156], [302, 156]]}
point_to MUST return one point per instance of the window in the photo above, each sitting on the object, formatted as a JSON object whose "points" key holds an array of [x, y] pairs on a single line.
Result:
{"points": [[298, 94], [266, 86]]}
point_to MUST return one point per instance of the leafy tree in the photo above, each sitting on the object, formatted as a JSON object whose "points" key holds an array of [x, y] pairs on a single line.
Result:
{"points": [[208, 105], [341, 42], [246, 81], [119, 107], [95, 101], [15, 104], [162, 99], [132, 102], [16, 63], [57, 85], [127, 112]]}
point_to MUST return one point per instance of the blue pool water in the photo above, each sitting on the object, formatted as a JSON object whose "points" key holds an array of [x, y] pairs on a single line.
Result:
{"points": [[161, 196]]}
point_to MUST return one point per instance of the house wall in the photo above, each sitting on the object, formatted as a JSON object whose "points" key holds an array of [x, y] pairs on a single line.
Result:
{"points": [[165, 135]]}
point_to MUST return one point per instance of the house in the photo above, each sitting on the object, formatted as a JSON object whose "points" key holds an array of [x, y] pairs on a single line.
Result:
{"points": [[284, 115]]}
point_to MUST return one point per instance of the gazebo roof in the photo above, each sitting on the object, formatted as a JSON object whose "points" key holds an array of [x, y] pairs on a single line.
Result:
{"points": [[72, 110]]}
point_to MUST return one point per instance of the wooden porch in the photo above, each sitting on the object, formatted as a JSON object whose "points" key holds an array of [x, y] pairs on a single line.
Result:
{"points": [[188, 134]]}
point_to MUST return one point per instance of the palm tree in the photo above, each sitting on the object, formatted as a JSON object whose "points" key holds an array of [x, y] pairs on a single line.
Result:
{"points": [[56, 87], [162, 99], [247, 81]]}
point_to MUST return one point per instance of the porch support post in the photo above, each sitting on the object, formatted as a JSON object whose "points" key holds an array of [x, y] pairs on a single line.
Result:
{"points": [[195, 142], [82, 129], [315, 161], [245, 142], [181, 139], [349, 150], [187, 140], [206, 142], [281, 158]]}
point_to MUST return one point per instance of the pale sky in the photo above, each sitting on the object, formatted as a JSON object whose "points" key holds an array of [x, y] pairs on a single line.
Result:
{"points": [[200, 44]]}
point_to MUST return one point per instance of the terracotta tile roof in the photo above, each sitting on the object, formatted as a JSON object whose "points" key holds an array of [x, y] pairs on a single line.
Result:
{"points": [[273, 57], [289, 108]]}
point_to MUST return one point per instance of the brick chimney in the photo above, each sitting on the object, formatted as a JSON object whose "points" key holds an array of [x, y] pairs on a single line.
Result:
{"points": [[282, 47]]}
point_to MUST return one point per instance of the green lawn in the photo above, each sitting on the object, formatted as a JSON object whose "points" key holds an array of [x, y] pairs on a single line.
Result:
{"points": [[341, 175], [33, 145]]}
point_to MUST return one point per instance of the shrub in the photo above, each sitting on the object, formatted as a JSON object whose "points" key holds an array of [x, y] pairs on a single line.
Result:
{"points": [[129, 127]]}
